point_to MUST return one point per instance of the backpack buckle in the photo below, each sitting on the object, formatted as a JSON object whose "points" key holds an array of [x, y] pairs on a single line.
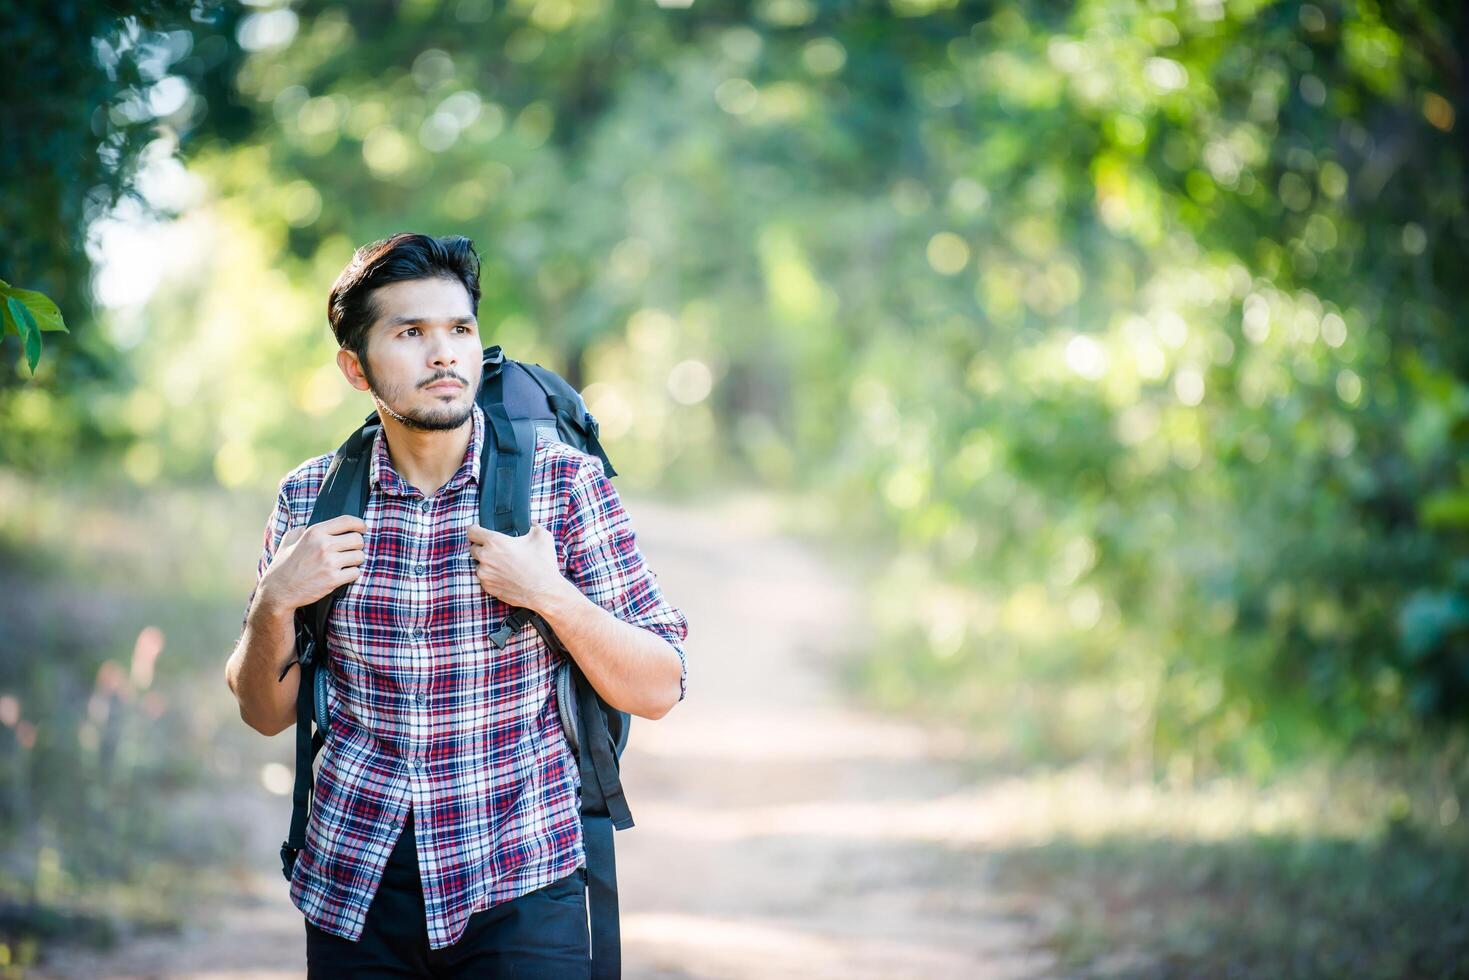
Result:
{"points": [[308, 650], [502, 635], [589, 421], [288, 858]]}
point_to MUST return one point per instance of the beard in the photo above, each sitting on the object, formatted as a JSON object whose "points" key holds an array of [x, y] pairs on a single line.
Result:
{"points": [[434, 419]]}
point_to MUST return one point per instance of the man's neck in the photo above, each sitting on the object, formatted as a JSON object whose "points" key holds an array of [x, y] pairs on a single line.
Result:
{"points": [[426, 459]]}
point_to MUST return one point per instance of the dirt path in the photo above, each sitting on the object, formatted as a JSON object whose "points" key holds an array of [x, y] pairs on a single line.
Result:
{"points": [[780, 832]]}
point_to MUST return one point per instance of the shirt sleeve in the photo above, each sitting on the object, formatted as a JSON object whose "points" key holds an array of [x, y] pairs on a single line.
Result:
{"points": [[275, 528], [603, 561]]}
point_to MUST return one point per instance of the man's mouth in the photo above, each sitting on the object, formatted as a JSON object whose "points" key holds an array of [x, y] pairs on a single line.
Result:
{"points": [[445, 386]]}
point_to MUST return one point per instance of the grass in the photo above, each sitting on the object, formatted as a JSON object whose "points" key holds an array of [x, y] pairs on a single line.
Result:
{"points": [[1262, 905], [1352, 867]]}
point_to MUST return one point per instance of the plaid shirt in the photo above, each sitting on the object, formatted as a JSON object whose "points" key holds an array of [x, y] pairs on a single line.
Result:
{"points": [[424, 712]]}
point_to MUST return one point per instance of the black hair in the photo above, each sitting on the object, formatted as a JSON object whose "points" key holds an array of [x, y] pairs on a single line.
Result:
{"points": [[350, 308]]}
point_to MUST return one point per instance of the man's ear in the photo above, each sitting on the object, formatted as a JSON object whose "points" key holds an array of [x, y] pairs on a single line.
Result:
{"points": [[351, 369]]}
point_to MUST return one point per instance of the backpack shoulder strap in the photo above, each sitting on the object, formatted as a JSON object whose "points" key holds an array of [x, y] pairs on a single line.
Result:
{"points": [[343, 491]]}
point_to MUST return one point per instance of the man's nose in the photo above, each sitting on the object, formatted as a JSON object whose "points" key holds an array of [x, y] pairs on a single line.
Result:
{"points": [[442, 352]]}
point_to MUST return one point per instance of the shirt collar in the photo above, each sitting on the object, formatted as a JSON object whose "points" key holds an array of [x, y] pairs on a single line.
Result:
{"points": [[385, 477]]}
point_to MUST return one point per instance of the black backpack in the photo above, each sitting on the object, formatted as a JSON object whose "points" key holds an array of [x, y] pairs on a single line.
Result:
{"points": [[519, 400]]}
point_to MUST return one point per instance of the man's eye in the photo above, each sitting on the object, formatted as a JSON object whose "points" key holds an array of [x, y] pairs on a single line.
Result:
{"points": [[457, 326]]}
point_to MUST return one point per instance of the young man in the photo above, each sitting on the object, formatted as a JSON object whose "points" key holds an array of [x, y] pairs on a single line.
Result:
{"points": [[445, 836]]}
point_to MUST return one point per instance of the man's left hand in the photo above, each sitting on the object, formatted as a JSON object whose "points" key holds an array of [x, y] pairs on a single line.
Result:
{"points": [[520, 571]]}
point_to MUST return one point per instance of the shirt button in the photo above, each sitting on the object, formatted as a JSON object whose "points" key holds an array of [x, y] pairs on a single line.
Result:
{"points": [[423, 504], [419, 697], [418, 631], [417, 569]]}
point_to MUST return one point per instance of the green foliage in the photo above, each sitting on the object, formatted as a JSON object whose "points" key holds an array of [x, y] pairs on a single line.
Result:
{"points": [[1124, 332], [26, 313], [1129, 328], [1263, 905], [89, 87]]}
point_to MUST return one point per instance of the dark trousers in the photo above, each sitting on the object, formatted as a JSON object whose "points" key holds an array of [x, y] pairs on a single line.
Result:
{"points": [[541, 935]]}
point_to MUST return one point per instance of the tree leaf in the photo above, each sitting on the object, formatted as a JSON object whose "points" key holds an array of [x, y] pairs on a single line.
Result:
{"points": [[45, 312], [30, 331]]}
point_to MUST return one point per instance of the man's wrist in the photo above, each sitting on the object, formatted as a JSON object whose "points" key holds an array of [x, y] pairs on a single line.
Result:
{"points": [[268, 610], [559, 602]]}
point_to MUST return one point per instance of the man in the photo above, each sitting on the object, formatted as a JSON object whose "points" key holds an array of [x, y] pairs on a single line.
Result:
{"points": [[445, 837]]}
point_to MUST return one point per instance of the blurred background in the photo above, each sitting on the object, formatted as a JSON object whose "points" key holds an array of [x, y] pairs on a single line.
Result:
{"points": [[1111, 352]]}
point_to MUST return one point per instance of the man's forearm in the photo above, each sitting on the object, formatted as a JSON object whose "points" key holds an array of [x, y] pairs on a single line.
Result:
{"points": [[267, 702], [634, 669]]}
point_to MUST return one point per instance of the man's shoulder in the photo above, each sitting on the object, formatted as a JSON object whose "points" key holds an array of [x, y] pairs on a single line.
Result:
{"points": [[560, 462], [303, 482]]}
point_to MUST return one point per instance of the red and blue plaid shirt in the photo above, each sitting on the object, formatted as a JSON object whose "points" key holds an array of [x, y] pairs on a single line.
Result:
{"points": [[425, 713]]}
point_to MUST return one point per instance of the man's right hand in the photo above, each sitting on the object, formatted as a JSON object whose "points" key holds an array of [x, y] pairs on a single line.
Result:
{"points": [[313, 561]]}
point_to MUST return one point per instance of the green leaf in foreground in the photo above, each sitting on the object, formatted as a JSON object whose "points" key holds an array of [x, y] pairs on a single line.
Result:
{"points": [[45, 313], [30, 331]]}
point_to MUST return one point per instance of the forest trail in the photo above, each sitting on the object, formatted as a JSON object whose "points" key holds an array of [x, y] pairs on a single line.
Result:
{"points": [[780, 831]]}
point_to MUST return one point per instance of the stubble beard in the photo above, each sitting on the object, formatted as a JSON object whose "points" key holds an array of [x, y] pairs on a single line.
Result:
{"points": [[433, 420]]}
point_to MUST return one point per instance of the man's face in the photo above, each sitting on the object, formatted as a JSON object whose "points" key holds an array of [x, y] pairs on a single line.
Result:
{"points": [[425, 335]]}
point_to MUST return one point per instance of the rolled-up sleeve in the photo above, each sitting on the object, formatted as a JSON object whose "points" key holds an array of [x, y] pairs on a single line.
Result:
{"points": [[604, 562]]}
